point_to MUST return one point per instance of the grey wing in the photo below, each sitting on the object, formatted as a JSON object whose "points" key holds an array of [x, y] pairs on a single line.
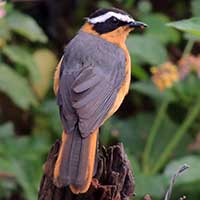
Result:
{"points": [[91, 94]]}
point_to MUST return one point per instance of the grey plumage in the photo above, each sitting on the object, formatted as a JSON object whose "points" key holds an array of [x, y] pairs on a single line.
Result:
{"points": [[91, 74]]}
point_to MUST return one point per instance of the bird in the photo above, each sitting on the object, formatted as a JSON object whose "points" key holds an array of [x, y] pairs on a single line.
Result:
{"points": [[90, 83]]}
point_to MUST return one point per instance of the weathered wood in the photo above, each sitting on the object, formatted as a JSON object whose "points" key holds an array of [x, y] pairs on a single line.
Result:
{"points": [[113, 180]]}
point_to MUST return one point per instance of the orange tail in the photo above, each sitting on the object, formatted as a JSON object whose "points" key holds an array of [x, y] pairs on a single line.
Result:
{"points": [[75, 162]]}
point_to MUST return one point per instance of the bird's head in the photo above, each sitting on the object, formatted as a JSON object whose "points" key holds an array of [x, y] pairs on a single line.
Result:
{"points": [[111, 24]]}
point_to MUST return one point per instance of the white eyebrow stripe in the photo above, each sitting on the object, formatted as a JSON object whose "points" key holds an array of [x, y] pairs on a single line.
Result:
{"points": [[104, 17]]}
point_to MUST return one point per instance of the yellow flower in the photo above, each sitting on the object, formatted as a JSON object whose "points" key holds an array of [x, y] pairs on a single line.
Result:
{"points": [[165, 75]]}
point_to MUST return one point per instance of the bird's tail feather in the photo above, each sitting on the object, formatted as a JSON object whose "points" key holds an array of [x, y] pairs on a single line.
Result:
{"points": [[75, 162]]}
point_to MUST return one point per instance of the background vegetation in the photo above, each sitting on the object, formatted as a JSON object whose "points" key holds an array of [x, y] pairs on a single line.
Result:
{"points": [[159, 121]]}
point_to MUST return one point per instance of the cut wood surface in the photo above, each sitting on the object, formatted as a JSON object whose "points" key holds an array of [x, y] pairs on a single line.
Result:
{"points": [[113, 180]]}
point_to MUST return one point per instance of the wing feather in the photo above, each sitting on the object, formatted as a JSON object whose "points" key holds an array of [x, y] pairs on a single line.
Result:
{"points": [[88, 90]]}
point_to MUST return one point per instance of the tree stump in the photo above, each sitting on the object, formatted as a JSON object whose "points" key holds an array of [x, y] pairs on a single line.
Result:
{"points": [[113, 180]]}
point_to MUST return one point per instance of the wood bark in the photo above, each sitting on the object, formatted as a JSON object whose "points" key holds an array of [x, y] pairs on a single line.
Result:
{"points": [[113, 180]]}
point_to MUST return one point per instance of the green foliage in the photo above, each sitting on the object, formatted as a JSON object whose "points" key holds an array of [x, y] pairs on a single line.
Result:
{"points": [[46, 68], [187, 25], [148, 88], [195, 8], [17, 165], [16, 87], [16, 53], [139, 72], [192, 176], [25, 26], [154, 185], [21, 158], [156, 128], [141, 47], [157, 22]]}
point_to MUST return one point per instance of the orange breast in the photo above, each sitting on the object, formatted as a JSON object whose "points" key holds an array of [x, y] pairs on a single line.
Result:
{"points": [[125, 85]]}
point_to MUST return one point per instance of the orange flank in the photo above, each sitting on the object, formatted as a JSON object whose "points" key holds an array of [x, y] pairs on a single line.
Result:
{"points": [[60, 156], [57, 77]]}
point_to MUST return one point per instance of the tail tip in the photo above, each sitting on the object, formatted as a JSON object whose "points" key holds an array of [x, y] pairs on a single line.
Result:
{"points": [[59, 181], [79, 190]]}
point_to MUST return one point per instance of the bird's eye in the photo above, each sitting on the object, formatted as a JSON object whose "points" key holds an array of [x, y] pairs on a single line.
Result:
{"points": [[114, 20]]}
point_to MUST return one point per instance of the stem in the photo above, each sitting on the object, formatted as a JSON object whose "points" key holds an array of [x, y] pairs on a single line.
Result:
{"points": [[188, 47], [191, 116], [154, 129]]}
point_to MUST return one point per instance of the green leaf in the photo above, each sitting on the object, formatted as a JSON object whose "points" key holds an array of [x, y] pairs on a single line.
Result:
{"points": [[147, 48], [149, 89], [23, 179], [134, 163], [189, 36], [164, 136], [128, 3], [156, 23], [144, 7], [51, 119], [16, 87], [187, 90], [26, 26], [153, 185], [104, 4], [6, 130], [4, 30], [195, 8], [46, 69], [192, 176], [26, 168], [22, 57], [191, 25], [139, 72], [132, 132]]}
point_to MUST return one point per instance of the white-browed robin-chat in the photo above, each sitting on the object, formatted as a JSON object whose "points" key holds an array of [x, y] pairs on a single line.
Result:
{"points": [[90, 83]]}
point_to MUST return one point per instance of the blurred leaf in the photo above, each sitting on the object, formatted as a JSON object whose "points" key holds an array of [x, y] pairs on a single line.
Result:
{"points": [[128, 3], [149, 89], [157, 27], [191, 25], [16, 87], [187, 90], [134, 163], [22, 158], [192, 176], [23, 179], [106, 137], [104, 4], [192, 37], [144, 6], [46, 62], [6, 130], [22, 57], [164, 135], [49, 118], [147, 48], [195, 8], [26, 26], [153, 185], [132, 132], [7, 187], [4, 31], [139, 72]]}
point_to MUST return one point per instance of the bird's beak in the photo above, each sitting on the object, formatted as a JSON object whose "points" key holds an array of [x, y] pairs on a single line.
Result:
{"points": [[137, 24]]}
